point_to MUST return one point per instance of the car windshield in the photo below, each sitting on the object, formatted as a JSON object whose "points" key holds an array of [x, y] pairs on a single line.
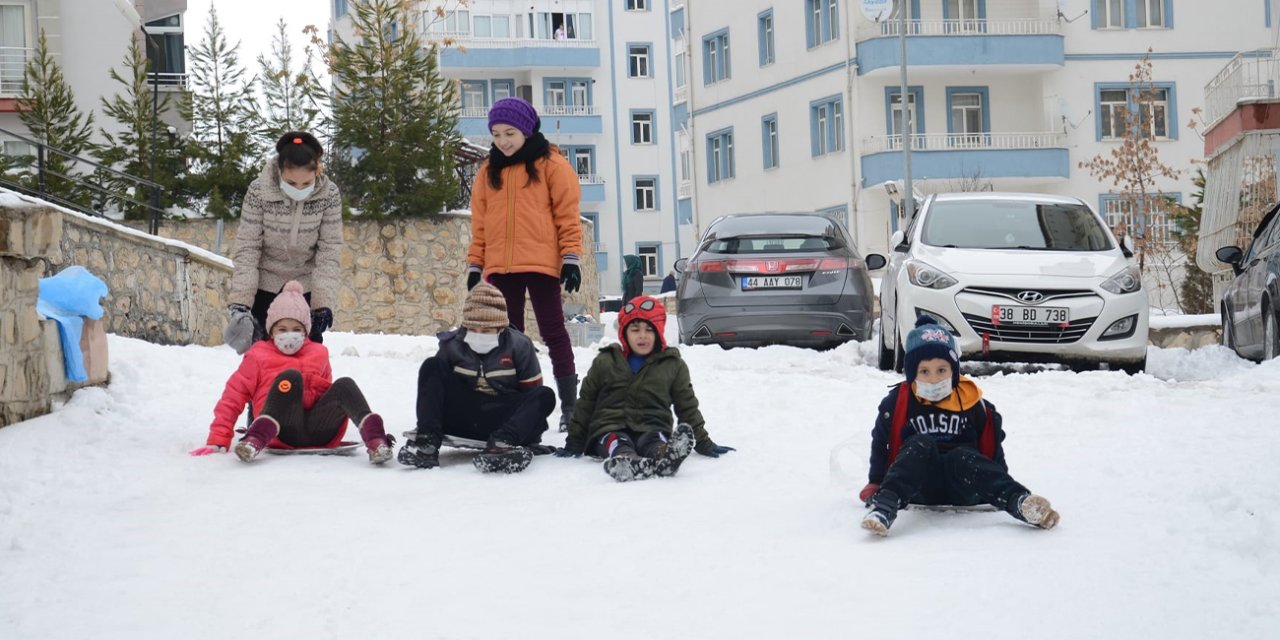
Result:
{"points": [[774, 244], [1009, 224]]}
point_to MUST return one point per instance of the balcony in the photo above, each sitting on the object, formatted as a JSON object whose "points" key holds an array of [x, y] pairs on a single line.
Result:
{"points": [[466, 51], [685, 190], [592, 187], [474, 121], [1243, 80], [13, 64], [168, 81], [1026, 44], [951, 156]]}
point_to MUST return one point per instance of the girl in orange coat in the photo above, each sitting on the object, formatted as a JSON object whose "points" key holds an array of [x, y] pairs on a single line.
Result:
{"points": [[295, 398], [526, 232]]}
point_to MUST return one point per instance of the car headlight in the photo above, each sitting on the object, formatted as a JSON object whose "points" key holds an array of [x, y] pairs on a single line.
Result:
{"points": [[1127, 281], [923, 275]]}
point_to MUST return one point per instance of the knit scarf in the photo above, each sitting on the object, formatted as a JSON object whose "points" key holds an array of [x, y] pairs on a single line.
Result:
{"points": [[535, 147]]}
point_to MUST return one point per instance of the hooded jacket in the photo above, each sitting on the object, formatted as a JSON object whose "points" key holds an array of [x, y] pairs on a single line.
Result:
{"points": [[279, 240], [253, 379]]}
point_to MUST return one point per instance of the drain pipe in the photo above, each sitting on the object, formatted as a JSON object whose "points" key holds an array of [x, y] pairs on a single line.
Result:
{"points": [[850, 119]]}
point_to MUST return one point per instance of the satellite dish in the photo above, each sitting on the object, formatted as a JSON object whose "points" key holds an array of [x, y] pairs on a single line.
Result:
{"points": [[877, 10]]}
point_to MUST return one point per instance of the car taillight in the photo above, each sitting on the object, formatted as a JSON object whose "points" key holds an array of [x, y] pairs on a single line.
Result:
{"points": [[706, 266], [836, 263], [772, 266]]}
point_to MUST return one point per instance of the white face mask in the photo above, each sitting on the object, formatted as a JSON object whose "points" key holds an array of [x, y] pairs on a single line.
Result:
{"points": [[289, 342], [934, 392], [296, 193], [481, 343]]}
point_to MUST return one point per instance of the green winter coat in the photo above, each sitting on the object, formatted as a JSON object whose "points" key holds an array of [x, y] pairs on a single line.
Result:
{"points": [[612, 398]]}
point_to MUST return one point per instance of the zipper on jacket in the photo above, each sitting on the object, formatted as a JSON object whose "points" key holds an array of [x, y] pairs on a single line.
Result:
{"points": [[297, 220], [511, 220]]}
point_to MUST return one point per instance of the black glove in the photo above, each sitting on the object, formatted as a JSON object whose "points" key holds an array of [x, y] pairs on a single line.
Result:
{"points": [[473, 279], [571, 277], [566, 453], [321, 320], [716, 451]]}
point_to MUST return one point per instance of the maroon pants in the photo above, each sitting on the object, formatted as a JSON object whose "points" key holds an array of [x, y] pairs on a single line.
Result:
{"points": [[544, 292]]}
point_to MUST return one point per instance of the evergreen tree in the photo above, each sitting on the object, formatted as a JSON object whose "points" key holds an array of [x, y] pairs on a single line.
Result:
{"points": [[128, 149], [1197, 284], [393, 114], [293, 100], [224, 147], [48, 108]]}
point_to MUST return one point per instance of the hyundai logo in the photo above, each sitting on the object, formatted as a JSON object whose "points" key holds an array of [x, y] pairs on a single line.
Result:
{"points": [[1030, 297]]}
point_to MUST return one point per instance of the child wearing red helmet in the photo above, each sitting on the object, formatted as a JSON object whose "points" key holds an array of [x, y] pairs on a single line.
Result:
{"points": [[624, 409]]}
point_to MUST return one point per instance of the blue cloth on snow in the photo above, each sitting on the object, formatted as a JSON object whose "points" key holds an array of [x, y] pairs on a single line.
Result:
{"points": [[68, 298]]}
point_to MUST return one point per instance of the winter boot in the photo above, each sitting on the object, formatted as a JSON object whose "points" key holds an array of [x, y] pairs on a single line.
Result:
{"points": [[262, 430], [502, 457], [376, 439], [567, 389], [628, 466], [884, 510], [669, 457], [421, 450], [1035, 510]]}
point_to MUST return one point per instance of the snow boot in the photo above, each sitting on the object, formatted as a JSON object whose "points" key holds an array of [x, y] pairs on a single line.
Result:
{"points": [[884, 510], [376, 440], [262, 430], [1035, 510], [567, 389], [421, 450], [674, 452], [628, 466], [502, 457]]}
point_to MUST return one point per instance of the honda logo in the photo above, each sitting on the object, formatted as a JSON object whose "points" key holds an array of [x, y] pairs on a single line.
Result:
{"points": [[1030, 297], [771, 266]]}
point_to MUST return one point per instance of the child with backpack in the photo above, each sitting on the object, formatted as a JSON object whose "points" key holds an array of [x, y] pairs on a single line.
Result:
{"points": [[296, 401], [623, 412], [936, 441]]}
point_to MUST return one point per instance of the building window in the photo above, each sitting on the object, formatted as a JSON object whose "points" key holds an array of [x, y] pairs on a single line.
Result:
{"points": [[970, 118], [339, 8], [13, 42], [641, 127], [715, 57], [473, 97], [686, 166], [679, 68], [1157, 228], [826, 125], [964, 15], [594, 219], [458, 22], [1119, 108], [646, 193], [16, 148], [492, 27], [583, 159], [1150, 13], [769, 140], [893, 110], [165, 50], [638, 61], [556, 93], [720, 155], [1108, 14], [650, 258], [764, 26], [503, 89], [637, 5], [821, 21], [677, 23]]}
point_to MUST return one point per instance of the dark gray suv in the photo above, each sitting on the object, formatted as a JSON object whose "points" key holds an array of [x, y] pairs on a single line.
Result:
{"points": [[1251, 302], [763, 279]]}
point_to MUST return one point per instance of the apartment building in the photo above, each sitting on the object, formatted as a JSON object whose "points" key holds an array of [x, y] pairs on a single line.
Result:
{"points": [[601, 74], [88, 38], [797, 106]]}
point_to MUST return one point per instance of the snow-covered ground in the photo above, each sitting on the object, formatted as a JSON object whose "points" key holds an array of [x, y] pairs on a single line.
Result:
{"points": [[1167, 484]]}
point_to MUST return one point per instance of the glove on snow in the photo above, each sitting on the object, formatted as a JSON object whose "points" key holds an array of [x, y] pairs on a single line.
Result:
{"points": [[206, 450], [713, 450]]}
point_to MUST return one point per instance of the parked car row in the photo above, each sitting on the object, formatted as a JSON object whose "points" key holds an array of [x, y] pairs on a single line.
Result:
{"points": [[1251, 302]]}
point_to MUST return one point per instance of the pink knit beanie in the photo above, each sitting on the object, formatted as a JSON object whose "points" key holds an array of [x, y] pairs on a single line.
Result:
{"points": [[290, 304]]}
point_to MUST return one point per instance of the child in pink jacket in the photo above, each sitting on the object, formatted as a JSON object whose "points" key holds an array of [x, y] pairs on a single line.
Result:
{"points": [[295, 398]]}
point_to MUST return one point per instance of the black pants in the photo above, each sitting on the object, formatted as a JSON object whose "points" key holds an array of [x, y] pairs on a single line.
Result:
{"points": [[262, 302], [627, 441], [447, 405], [962, 476], [318, 425]]}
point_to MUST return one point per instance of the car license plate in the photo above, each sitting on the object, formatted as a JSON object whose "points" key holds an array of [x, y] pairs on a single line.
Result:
{"points": [[771, 282], [1017, 314]]}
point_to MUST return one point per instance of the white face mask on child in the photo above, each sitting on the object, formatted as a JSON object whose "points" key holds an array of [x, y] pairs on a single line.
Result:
{"points": [[296, 193], [481, 343], [934, 392], [289, 342]]}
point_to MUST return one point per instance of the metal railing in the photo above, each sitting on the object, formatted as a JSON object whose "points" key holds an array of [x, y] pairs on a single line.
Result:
{"points": [[682, 94], [170, 81], [1245, 77], [1012, 27], [590, 178], [964, 141], [468, 40], [568, 110], [685, 189], [473, 112], [102, 187], [13, 65]]}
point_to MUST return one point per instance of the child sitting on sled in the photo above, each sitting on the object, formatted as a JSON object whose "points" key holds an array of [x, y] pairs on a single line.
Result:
{"points": [[936, 441], [295, 399], [624, 408]]}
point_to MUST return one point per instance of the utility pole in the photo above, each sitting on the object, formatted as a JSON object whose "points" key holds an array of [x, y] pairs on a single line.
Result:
{"points": [[908, 208]]}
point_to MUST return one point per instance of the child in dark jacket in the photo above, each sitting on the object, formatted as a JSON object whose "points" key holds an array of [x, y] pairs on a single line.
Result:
{"points": [[937, 441], [623, 412], [297, 402]]}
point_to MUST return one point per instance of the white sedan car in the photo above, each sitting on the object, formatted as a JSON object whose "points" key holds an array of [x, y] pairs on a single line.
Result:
{"points": [[1016, 277]]}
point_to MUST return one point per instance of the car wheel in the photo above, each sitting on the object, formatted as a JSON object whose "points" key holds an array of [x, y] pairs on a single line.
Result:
{"points": [[1134, 368], [885, 362], [1270, 347], [899, 357], [1228, 333]]}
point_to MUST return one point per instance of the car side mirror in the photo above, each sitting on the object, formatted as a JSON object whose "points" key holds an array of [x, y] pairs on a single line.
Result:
{"points": [[681, 264], [1231, 255], [898, 241], [875, 261], [1124, 250]]}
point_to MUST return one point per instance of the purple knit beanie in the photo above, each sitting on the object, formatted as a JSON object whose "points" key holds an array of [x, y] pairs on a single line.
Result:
{"points": [[515, 112]]}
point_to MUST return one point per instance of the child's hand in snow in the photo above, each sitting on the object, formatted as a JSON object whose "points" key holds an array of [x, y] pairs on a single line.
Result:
{"points": [[206, 450]]}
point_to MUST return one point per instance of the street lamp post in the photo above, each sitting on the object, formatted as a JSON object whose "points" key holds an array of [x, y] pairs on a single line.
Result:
{"points": [[154, 225]]}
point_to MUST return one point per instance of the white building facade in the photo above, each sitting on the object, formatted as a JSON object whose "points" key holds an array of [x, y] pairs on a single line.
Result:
{"points": [[796, 106], [602, 75]]}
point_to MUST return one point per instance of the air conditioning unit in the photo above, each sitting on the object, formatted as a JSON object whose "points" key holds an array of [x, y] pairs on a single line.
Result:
{"points": [[525, 92]]}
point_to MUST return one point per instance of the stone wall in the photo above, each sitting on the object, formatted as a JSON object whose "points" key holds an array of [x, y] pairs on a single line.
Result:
{"points": [[405, 276], [28, 240]]}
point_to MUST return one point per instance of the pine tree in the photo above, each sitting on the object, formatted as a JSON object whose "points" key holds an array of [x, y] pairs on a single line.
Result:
{"points": [[48, 108], [224, 147], [294, 100], [394, 115], [129, 148], [1197, 284]]}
